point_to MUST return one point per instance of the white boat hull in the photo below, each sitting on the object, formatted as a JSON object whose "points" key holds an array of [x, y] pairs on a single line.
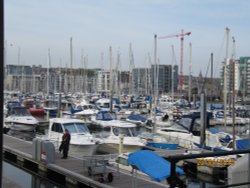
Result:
{"points": [[79, 150], [111, 144], [83, 150], [187, 140], [23, 123], [21, 127]]}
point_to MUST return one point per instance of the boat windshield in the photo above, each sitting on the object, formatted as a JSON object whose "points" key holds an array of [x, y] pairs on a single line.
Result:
{"points": [[13, 104], [183, 124], [88, 106], [109, 115], [21, 112], [126, 131], [106, 116], [82, 128], [76, 127]]}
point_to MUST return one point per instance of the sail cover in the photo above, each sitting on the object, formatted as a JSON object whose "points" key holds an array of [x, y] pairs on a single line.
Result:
{"points": [[152, 164]]}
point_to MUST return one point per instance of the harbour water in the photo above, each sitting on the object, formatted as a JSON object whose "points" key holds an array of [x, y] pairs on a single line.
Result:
{"points": [[20, 178]]}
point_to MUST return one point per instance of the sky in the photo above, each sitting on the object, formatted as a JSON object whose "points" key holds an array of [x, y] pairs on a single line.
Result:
{"points": [[34, 26]]}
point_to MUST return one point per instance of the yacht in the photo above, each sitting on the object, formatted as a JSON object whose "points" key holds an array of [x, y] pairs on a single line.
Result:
{"points": [[186, 133], [20, 119], [115, 133], [82, 143]]}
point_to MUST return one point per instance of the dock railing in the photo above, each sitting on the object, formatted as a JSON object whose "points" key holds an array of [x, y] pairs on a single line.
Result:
{"points": [[174, 181]]}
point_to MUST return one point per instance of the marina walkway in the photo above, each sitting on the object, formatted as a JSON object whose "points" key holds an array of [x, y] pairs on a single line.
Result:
{"points": [[71, 171]]}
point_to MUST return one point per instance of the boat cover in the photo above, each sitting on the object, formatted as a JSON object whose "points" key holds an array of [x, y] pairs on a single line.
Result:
{"points": [[163, 145], [104, 115], [152, 164], [243, 144], [137, 117]]}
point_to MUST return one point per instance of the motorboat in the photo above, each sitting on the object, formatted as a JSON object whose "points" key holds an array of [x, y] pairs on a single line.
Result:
{"points": [[159, 120], [105, 104], [115, 133], [34, 108], [137, 119], [20, 119], [51, 107], [9, 105], [219, 118], [82, 143], [84, 109], [240, 123], [186, 133]]}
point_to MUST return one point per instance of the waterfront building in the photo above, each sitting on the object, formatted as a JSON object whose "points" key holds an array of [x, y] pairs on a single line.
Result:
{"points": [[34, 79], [103, 81], [240, 74], [244, 71], [141, 81], [120, 82], [148, 80]]}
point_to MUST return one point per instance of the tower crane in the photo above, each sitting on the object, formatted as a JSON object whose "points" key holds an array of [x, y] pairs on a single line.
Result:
{"points": [[181, 35]]}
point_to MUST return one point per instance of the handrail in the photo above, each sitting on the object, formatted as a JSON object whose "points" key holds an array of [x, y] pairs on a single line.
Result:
{"points": [[174, 180]]}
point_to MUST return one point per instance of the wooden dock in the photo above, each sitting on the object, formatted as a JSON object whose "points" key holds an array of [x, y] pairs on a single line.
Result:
{"points": [[70, 172]]}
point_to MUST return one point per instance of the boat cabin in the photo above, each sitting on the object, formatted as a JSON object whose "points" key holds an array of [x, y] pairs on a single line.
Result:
{"points": [[191, 123], [74, 126], [19, 111]]}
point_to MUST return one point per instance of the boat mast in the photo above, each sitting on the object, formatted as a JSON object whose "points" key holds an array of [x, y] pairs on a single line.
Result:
{"points": [[19, 87], [155, 82], [131, 67], [82, 72], [71, 66], [85, 75], [149, 91], [212, 69], [172, 72], [48, 73], [233, 92], [111, 79], [22, 79], [190, 72], [117, 75], [66, 78], [225, 79]]}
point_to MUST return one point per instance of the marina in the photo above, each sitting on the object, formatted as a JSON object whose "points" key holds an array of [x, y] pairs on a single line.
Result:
{"points": [[120, 110], [102, 144]]}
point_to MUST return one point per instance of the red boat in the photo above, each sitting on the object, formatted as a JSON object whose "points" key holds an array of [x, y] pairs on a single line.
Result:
{"points": [[34, 107]]}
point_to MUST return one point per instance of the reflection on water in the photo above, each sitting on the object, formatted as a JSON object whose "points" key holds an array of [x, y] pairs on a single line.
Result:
{"points": [[25, 179], [16, 175]]}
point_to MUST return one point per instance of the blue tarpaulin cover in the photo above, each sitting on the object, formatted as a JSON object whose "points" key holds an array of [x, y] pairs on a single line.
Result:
{"points": [[152, 164], [243, 143], [163, 145], [137, 117]]}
